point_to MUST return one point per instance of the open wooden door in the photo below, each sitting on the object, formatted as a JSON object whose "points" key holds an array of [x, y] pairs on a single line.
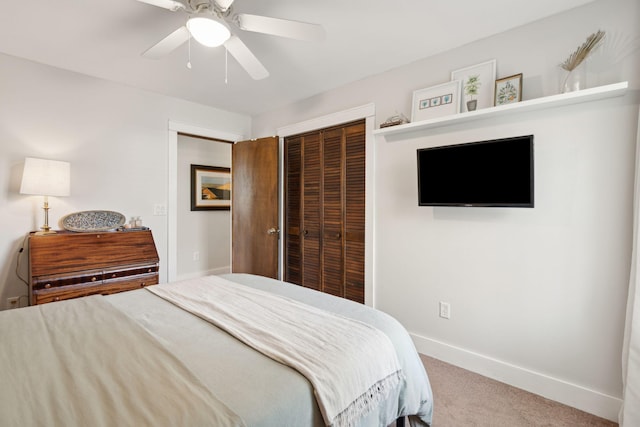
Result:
{"points": [[254, 209]]}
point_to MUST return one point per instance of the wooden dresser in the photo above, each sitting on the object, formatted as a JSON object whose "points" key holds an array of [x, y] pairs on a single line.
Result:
{"points": [[70, 265]]}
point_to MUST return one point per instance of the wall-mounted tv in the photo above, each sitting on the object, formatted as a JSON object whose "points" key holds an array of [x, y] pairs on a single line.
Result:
{"points": [[490, 173]]}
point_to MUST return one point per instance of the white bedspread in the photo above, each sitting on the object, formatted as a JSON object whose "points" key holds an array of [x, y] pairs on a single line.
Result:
{"points": [[84, 363], [335, 353]]}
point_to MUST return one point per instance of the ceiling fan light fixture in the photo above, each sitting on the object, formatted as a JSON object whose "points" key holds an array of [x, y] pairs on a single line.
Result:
{"points": [[208, 31]]}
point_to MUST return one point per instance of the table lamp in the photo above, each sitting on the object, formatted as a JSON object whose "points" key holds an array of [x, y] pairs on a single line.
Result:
{"points": [[46, 178]]}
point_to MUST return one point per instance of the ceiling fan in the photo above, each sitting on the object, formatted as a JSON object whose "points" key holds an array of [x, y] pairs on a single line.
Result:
{"points": [[210, 23]]}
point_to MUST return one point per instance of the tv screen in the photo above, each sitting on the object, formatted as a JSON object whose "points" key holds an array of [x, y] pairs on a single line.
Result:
{"points": [[497, 173]]}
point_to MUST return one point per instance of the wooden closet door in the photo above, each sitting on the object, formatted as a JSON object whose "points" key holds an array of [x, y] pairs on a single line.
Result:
{"points": [[324, 210], [354, 211], [302, 210], [333, 213], [311, 210], [293, 210]]}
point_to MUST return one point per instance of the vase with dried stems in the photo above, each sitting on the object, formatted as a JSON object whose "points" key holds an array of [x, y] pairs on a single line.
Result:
{"points": [[575, 75]]}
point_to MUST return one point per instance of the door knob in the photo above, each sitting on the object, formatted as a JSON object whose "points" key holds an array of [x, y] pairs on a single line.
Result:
{"points": [[273, 230]]}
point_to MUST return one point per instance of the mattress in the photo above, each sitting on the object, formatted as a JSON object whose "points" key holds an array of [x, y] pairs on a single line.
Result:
{"points": [[259, 390]]}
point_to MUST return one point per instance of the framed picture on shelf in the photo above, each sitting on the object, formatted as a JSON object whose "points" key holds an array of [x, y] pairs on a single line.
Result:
{"points": [[436, 101], [508, 90], [210, 188], [478, 85]]}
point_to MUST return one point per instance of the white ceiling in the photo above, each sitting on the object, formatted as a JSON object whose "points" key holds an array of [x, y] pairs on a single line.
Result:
{"points": [[104, 38]]}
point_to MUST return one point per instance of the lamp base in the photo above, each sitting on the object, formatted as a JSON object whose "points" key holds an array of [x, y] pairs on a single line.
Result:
{"points": [[45, 228], [45, 232]]}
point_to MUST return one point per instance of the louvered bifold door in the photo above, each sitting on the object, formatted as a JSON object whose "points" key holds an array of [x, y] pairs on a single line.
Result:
{"points": [[292, 210], [311, 212], [333, 196], [354, 211], [324, 210]]}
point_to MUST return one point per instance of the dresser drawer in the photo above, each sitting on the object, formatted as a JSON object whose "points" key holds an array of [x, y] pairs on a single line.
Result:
{"points": [[59, 293], [57, 280], [129, 271], [131, 283]]}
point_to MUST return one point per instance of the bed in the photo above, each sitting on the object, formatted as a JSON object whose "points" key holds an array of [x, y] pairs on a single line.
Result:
{"points": [[179, 369]]}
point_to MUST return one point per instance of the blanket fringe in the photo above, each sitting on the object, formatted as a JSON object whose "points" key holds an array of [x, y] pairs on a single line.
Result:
{"points": [[368, 401]]}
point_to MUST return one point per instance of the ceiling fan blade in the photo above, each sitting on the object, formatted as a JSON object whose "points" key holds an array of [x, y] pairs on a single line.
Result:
{"points": [[165, 4], [243, 55], [167, 44], [280, 27]]}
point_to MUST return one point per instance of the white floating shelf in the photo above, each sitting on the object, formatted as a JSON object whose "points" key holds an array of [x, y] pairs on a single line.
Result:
{"points": [[403, 131]]}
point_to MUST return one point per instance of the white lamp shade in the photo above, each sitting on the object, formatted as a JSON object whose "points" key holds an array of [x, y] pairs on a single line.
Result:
{"points": [[208, 31], [46, 177]]}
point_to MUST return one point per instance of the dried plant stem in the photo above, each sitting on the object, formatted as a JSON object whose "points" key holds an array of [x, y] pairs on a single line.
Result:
{"points": [[583, 51]]}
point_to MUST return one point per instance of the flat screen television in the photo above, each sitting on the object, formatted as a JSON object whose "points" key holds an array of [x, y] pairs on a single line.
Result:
{"points": [[490, 173]]}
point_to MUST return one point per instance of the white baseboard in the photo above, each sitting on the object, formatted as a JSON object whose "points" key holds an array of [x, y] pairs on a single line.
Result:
{"points": [[220, 270], [573, 395], [214, 271]]}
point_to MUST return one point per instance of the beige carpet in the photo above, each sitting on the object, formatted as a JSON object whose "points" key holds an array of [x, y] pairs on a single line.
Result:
{"points": [[463, 398]]}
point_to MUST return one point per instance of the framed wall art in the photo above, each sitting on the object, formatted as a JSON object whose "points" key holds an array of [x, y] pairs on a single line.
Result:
{"points": [[210, 188], [478, 85], [436, 101], [508, 90]]}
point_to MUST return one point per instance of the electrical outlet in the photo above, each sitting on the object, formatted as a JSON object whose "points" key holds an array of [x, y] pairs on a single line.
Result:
{"points": [[13, 302], [196, 256], [445, 310], [159, 209]]}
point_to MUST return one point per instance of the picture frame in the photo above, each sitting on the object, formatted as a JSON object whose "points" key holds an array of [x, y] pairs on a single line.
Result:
{"points": [[508, 90], [436, 101], [485, 74], [210, 188]]}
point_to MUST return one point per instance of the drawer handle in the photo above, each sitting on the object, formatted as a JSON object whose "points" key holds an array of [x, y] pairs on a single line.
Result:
{"points": [[143, 284], [150, 270], [114, 275], [56, 299], [93, 279], [47, 286]]}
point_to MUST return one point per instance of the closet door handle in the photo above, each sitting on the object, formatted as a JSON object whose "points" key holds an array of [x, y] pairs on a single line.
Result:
{"points": [[305, 232], [338, 235], [273, 230]]}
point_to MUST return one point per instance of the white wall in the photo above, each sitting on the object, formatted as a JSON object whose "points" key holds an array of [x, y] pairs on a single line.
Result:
{"points": [[542, 289], [205, 232], [537, 295], [114, 136]]}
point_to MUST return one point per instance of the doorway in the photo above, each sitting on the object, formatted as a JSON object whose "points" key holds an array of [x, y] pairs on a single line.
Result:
{"points": [[203, 236], [172, 199]]}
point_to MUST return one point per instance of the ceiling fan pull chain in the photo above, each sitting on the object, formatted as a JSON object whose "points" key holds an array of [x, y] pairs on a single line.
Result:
{"points": [[189, 50], [226, 65]]}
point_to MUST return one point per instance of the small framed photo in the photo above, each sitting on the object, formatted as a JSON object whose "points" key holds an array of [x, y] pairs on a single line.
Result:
{"points": [[508, 90], [477, 85], [210, 188], [436, 101]]}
